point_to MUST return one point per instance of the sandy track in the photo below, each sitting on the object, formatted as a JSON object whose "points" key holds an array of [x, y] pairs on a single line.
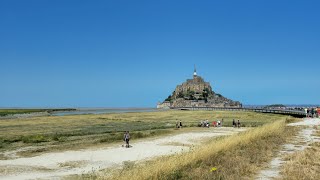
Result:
{"points": [[301, 141], [57, 165]]}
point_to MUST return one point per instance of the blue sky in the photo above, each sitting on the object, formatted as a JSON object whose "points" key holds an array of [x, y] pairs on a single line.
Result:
{"points": [[134, 53]]}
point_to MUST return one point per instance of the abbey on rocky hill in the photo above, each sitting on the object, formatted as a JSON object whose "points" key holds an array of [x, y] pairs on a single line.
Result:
{"points": [[196, 93]]}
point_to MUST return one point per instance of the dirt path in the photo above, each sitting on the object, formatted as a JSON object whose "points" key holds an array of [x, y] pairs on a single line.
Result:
{"points": [[57, 165], [301, 141]]}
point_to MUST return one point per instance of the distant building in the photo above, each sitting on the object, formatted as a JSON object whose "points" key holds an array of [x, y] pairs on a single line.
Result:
{"points": [[197, 93]]}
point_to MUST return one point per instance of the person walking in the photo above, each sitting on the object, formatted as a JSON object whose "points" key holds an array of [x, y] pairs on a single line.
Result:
{"points": [[127, 139], [306, 111], [124, 138], [239, 123], [180, 124], [233, 123]]}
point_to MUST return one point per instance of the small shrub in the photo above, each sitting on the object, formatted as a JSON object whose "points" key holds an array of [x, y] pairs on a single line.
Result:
{"points": [[34, 139], [138, 135], [128, 165], [177, 174]]}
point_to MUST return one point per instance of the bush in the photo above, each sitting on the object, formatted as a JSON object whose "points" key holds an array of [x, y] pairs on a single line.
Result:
{"points": [[168, 98], [112, 137], [35, 139], [58, 137], [138, 135]]}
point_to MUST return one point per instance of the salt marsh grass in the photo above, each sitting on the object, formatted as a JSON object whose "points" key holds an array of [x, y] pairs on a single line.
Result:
{"points": [[80, 131]]}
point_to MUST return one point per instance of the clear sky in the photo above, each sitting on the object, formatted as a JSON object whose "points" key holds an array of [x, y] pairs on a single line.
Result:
{"points": [[120, 53]]}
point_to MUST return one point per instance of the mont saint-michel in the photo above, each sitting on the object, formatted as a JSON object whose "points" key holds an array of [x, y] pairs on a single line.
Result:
{"points": [[196, 92]]}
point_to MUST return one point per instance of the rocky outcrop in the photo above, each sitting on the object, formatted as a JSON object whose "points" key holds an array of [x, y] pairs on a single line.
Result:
{"points": [[197, 93]]}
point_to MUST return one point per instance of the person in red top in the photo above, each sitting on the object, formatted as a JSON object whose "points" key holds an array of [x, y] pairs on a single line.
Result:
{"points": [[214, 123]]}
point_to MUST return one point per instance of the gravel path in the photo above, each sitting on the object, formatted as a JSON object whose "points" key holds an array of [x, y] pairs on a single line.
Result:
{"points": [[58, 165]]}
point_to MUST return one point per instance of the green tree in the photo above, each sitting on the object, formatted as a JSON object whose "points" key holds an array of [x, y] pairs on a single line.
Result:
{"points": [[190, 94], [168, 98]]}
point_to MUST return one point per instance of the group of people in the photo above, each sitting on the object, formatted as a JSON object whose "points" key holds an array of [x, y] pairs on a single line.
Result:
{"points": [[236, 124], [217, 123], [312, 112], [206, 123]]}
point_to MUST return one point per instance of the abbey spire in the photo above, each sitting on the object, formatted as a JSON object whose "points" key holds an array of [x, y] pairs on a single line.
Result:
{"points": [[195, 71]]}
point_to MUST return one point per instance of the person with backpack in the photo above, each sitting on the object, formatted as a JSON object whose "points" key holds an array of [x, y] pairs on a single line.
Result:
{"points": [[127, 138]]}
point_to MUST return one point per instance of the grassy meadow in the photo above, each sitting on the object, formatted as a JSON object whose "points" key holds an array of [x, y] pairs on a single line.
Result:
{"points": [[5, 112], [79, 131]]}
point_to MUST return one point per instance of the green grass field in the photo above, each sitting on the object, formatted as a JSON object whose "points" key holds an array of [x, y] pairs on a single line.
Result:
{"points": [[79, 131], [5, 112]]}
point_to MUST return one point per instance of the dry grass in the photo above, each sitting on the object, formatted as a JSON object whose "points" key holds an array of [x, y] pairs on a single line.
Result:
{"points": [[304, 164], [235, 157]]}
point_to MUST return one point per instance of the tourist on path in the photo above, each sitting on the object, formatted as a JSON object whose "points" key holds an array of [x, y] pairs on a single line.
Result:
{"points": [[127, 139], [180, 124], [306, 111], [239, 123], [233, 123]]}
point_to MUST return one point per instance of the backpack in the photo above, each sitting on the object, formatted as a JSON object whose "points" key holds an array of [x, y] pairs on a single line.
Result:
{"points": [[127, 136]]}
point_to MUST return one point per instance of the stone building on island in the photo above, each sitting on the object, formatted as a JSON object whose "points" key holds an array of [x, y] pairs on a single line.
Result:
{"points": [[196, 92]]}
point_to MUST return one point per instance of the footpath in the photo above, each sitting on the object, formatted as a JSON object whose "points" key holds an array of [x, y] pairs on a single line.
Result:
{"points": [[301, 141]]}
